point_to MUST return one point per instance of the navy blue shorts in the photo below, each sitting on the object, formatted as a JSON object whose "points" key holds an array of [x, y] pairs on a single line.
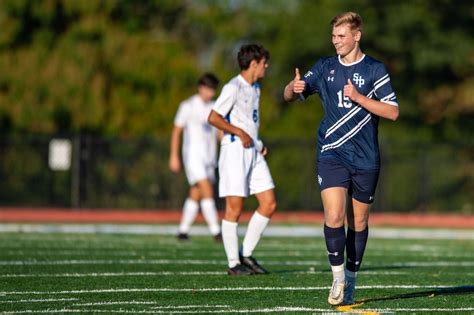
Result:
{"points": [[360, 184]]}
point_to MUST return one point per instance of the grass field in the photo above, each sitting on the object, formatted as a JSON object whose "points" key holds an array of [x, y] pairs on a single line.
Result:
{"points": [[120, 273]]}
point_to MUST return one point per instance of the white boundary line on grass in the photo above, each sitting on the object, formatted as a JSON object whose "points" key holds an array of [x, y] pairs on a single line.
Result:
{"points": [[116, 303], [191, 252], [385, 310], [116, 274], [223, 289], [213, 262], [185, 273], [37, 301], [278, 309], [285, 231]]}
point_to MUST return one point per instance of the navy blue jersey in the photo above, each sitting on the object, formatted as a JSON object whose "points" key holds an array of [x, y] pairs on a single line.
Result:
{"points": [[348, 132]]}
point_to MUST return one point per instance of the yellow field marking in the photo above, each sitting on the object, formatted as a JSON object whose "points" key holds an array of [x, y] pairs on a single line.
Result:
{"points": [[350, 309]]}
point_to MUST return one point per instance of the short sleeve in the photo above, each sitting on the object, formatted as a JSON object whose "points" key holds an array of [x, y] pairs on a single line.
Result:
{"points": [[226, 100], [312, 80], [182, 115], [382, 87]]}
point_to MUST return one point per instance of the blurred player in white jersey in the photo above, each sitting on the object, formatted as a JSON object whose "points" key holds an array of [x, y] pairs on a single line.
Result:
{"points": [[243, 170], [199, 156]]}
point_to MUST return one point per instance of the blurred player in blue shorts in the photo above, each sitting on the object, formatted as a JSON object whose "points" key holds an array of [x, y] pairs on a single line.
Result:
{"points": [[355, 91], [199, 156], [243, 170]]}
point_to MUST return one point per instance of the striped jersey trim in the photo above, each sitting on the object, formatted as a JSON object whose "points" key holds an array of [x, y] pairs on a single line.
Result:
{"points": [[342, 120], [348, 135]]}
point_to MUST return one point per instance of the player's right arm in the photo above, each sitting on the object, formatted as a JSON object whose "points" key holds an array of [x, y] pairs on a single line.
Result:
{"points": [[223, 107], [175, 161], [220, 123], [294, 88]]}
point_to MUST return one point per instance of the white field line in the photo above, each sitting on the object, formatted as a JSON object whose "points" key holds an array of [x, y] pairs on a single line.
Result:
{"points": [[37, 301], [285, 231], [217, 262], [144, 262], [263, 252], [222, 289], [190, 273], [216, 254], [150, 303], [190, 306], [191, 247], [198, 273], [267, 246], [278, 309], [116, 274], [116, 303], [384, 310]]}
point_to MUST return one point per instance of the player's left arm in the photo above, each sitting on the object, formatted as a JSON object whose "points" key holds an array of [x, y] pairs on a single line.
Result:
{"points": [[378, 108]]}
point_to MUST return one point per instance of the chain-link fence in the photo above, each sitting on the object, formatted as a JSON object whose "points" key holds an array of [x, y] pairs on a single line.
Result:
{"points": [[115, 173]]}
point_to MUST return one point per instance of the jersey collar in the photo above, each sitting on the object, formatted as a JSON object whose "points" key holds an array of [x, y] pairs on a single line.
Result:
{"points": [[350, 64], [241, 78]]}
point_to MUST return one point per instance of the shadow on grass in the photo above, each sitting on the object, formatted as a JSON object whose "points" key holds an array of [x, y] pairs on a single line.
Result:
{"points": [[467, 289]]}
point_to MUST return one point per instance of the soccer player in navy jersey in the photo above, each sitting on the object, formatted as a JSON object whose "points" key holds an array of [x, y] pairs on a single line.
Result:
{"points": [[355, 91]]}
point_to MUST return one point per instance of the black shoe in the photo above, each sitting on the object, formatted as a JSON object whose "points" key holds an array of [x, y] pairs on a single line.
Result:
{"points": [[183, 237], [218, 237], [252, 264], [239, 270]]}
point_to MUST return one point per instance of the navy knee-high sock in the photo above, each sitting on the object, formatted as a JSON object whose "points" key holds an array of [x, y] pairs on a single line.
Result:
{"points": [[355, 247], [335, 243]]}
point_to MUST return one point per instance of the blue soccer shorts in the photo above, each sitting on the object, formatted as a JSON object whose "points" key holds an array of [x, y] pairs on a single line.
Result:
{"points": [[360, 184]]}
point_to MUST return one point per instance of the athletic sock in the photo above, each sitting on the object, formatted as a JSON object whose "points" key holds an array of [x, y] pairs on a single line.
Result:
{"points": [[208, 208], [231, 242], [190, 211], [355, 248], [351, 276], [257, 225], [335, 243], [338, 272]]}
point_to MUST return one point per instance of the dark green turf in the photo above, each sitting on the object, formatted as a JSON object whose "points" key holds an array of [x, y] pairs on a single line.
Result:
{"points": [[73, 273]]}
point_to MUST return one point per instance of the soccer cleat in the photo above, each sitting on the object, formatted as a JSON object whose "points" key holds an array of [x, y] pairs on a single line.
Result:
{"points": [[218, 237], [183, 237], [349, 291], [252, 264], [336, 294], [239, 270]]}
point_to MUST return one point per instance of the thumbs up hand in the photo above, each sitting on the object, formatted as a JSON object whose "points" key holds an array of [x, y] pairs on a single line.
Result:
{"points": [[297, 74], [298, 84], [351, 91]]}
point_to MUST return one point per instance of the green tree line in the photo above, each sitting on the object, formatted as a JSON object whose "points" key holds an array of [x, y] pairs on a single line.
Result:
{"points": [[118, 69], [121, 67]]}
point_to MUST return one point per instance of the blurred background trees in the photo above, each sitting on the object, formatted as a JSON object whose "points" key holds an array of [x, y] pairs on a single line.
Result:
{"points": [[120, 68]]}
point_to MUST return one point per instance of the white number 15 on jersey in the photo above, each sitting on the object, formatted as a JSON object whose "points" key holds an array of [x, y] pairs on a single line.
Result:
{"points": [[344, 101]]}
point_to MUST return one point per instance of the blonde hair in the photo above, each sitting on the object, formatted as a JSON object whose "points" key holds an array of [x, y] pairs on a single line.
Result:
{"points": [[353, 19]]}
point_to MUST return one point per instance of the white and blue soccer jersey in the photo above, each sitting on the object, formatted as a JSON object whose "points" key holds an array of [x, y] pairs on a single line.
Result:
{"points": [[239, 103], [242, 171], [348, 131]]}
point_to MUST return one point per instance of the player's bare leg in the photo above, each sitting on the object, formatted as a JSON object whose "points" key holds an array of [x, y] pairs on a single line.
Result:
{"points": [[208, 207], [256, 226], [190, 211], [357, 233], [334, 202]]}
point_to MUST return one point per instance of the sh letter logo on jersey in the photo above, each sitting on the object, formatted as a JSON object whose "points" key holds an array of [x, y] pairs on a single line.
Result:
{"points": [[358, 80]]}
